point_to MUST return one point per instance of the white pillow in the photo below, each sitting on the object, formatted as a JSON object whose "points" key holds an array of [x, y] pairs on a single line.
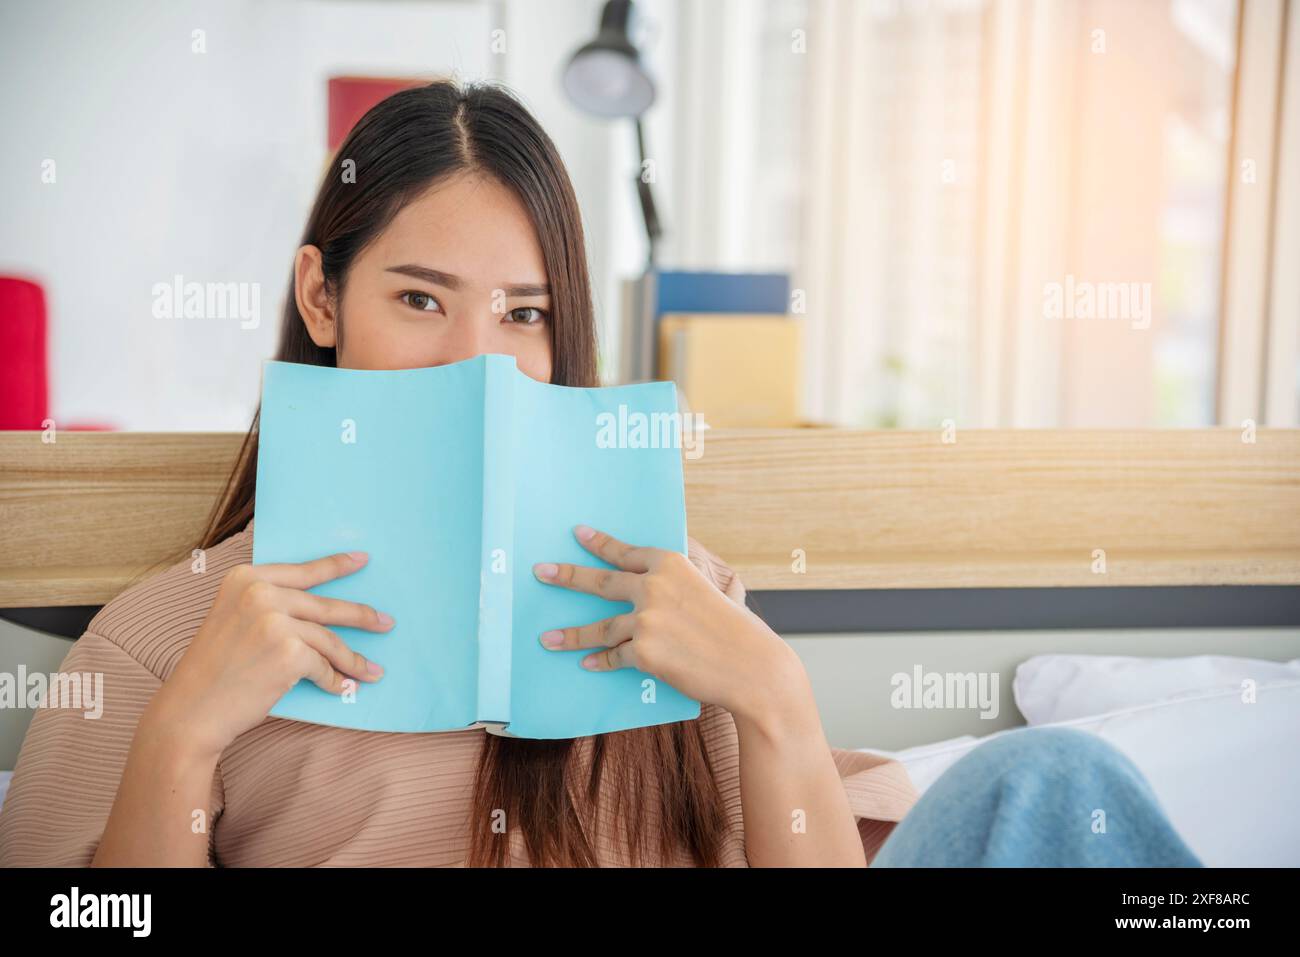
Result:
{"points": [[1050, 688], [1226, 773]]}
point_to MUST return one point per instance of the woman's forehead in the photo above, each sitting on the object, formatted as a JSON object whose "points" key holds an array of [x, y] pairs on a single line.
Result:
{"points": [[471, 227]]}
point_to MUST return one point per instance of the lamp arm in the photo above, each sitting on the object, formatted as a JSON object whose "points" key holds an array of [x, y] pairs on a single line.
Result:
{"points": [[649, 213]]}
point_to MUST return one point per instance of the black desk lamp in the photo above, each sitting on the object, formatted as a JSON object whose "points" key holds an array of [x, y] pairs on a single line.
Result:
{"points": [[605, 78]]}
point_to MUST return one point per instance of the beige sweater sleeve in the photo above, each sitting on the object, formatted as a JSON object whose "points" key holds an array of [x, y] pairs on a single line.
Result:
{"points": [[69, 767]]}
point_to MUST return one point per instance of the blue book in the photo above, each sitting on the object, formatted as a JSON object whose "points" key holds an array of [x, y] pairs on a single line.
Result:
{"points": [[456, 480], [680, 291]]}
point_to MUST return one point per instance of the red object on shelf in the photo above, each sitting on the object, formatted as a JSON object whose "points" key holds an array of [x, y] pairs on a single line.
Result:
{"points": [[350, 97], [24, 361], [24, 384]]}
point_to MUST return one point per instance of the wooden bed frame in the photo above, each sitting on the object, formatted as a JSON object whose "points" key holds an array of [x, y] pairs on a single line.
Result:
{"points": [[799, 509], [869, 551]]}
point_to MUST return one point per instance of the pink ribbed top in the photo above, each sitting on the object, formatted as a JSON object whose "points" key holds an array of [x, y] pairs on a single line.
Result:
{"points": [[288, 793]]}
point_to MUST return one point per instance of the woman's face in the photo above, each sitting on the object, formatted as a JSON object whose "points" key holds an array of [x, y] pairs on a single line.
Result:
{"points": [[457, 273]]}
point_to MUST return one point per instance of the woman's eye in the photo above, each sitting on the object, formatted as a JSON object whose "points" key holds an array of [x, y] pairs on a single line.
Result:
{"points": [[527, 315], [420, 300]]}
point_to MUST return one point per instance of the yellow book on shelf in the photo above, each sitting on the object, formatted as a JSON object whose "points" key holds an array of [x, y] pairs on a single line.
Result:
{"points": [[738, 370]]}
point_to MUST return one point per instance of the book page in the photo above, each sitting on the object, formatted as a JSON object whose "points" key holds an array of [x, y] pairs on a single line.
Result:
{"points": [[606, 458], [391, 463]]}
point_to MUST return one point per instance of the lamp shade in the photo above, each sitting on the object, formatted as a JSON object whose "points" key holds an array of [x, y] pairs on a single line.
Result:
{"points": [[605, 77]]}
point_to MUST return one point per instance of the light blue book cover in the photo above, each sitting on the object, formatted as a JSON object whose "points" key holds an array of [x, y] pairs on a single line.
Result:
{"points": [[456, 480]]}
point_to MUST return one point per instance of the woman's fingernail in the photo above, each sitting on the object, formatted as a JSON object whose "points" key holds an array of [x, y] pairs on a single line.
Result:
{"points": [[374, 668], [546, 570], [385, 619], [589, 663], [358, 557], [553, 639], [584, 532]]}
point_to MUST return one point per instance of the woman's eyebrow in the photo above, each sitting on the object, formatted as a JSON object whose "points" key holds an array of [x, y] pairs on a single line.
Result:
{"points": [[448, 281]]}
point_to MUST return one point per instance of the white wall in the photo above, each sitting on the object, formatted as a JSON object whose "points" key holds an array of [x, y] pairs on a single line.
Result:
{"points": [[205, 164]]}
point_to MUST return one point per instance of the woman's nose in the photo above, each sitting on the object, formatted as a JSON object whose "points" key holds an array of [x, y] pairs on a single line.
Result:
{"points": [[464, 340]]}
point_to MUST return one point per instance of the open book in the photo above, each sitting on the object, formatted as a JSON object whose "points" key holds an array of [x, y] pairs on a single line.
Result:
{"points": [[456, 480]]}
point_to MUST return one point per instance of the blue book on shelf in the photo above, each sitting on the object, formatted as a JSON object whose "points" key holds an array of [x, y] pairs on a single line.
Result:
{"points": [[722, 292], [667, 291], [456, 480]]}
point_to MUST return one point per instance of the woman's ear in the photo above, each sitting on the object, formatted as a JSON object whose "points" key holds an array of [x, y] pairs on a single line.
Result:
{"points": [[314, 303]]}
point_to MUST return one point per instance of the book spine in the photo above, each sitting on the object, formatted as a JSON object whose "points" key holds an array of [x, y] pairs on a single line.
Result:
{"points": [[627, 330], [648, 354], [496, 570]]}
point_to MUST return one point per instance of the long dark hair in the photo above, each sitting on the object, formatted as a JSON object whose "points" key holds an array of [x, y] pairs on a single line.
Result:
{"points": [[402, 146]]}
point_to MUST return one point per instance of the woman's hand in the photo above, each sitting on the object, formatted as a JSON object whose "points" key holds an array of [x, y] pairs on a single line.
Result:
{"points": [[263, 634], [681, 629]]}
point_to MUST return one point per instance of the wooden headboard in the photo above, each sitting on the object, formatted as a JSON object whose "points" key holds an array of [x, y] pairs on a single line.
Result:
{"points": [[789, 509]]}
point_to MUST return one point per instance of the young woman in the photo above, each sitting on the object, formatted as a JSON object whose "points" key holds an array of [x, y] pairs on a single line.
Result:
{"points": [[446, 228]]}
